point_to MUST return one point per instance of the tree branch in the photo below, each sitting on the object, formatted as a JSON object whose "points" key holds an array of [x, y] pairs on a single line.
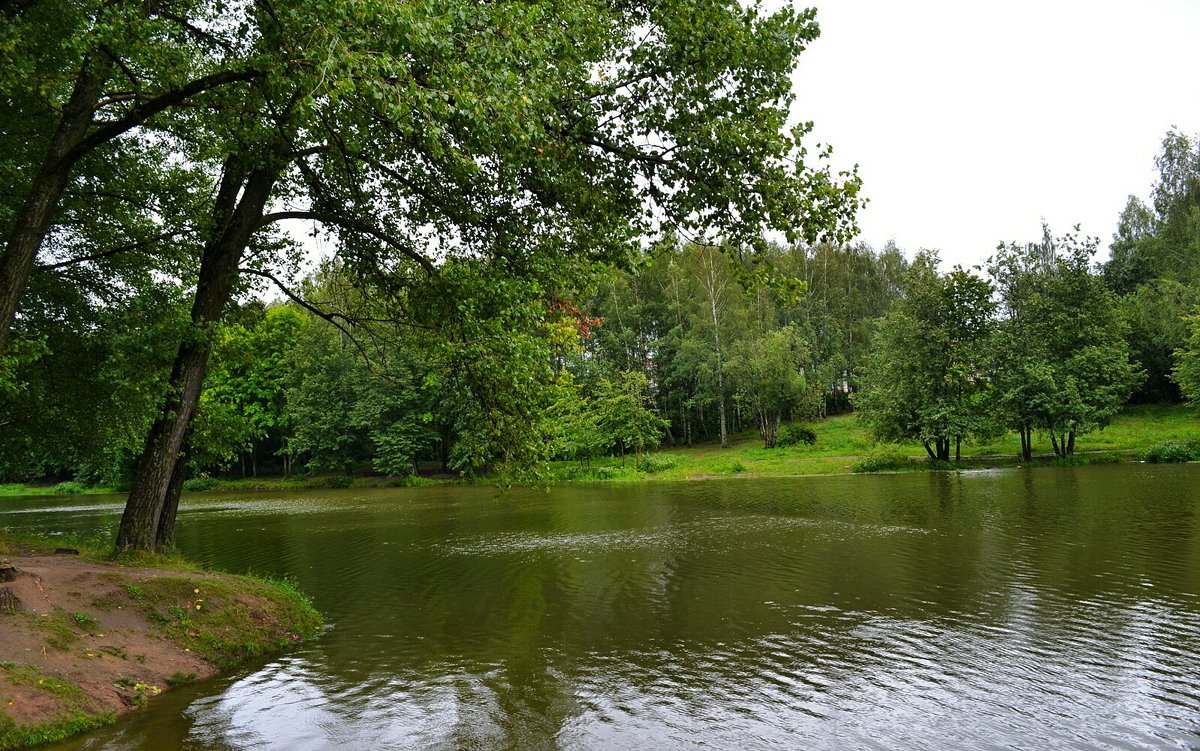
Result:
{"points": [[354, 226], [148, 109], [331, 318], [110, 252]]}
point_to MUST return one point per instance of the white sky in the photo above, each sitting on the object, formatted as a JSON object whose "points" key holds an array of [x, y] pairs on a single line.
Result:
{"points": [[970, 122]]}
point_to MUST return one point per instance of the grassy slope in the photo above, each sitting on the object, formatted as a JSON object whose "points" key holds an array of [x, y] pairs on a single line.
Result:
{"points": [[842, 440]]}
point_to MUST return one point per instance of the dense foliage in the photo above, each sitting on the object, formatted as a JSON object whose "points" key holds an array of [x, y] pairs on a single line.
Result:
{"points": [[470, 163]]}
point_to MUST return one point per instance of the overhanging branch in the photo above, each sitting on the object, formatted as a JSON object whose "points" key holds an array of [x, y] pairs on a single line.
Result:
{"points": [[354, 226]]}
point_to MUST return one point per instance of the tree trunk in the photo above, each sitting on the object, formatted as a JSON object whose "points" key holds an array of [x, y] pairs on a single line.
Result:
{"points": [[1070, 443], [32, 221], [1054, 443], [235, 221], [164, 539], [929, 450], [957, 447]]}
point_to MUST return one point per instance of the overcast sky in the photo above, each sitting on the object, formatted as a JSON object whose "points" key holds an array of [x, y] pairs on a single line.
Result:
{"points": [[970, 122]]}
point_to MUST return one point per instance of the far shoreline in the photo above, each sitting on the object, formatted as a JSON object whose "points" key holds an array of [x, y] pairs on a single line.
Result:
{"points": [[842, 447]]}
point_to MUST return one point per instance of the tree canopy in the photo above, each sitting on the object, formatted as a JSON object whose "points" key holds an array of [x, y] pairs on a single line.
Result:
{"points": [[467, 161]]}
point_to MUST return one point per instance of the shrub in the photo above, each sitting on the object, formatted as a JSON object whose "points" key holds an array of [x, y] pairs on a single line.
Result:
{"points": [[881, 459], [794, 435], [1172, 451], [203, 482], [70, 487], [340, 481], [651, 463]]}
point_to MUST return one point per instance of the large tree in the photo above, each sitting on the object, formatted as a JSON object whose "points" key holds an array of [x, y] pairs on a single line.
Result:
{"points": [[81, 81], [470, 159], [1060, 363], [925, 378]]}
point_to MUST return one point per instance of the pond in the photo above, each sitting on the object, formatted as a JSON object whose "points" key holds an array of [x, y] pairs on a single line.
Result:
{"points": [[1049, 608]]}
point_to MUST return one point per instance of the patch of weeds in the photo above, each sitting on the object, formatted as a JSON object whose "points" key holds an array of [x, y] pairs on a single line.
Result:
{"points": [[652, 463], [406, 481], [72, 723], [58, 627], [733, 468], [69, 487], [181, 679], [86, 623], [132, 590], [30, 675], [76, 713], [1083, 460], [1172, 452], [882, 459], [103, 604], [136, 692], [142, 559]]}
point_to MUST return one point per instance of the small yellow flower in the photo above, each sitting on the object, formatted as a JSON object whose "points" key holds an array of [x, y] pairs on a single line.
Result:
{"points": [[197, 591], [197, 606]]}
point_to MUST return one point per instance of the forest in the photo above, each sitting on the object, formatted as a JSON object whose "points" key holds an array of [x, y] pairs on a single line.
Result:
{"points": [[625, 250]]}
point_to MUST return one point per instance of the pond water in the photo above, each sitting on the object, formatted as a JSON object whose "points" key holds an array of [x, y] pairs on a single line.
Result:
{"points": [[1053, 608]]}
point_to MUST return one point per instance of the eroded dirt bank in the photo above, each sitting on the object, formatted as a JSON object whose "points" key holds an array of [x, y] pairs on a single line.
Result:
{"points": [[83, 641]]}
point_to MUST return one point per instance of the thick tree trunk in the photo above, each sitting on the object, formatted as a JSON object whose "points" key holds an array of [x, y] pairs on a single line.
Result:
{"points": [[164, 539], [235, 222], [929, 450], [1070, 444], [32, 221], [957, 448]]}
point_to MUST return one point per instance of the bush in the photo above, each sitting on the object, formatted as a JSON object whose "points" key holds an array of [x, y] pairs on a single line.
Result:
{"points": [[70, 487], [1172, 451], [340, 481], [794, 435], [881, 459], [203, 482], [651, 463]]}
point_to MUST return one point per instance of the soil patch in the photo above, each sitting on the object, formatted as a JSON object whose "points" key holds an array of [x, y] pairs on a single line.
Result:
{"points": [[84, 641]]}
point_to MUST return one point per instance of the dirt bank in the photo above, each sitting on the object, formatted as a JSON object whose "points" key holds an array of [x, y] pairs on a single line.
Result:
{"points": [[83, 641]]}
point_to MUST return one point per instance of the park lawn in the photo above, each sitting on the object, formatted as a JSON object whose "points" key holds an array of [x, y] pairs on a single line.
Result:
{"points": [[842, 441]]}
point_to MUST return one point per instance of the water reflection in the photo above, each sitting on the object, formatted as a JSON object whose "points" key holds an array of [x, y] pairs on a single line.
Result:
{"points": [[1056, 608]]}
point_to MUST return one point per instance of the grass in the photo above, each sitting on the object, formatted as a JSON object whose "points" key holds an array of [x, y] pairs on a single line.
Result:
{"points": [[228, 620], [58, 626], [843, 445], [62, 488], [76, 713]]}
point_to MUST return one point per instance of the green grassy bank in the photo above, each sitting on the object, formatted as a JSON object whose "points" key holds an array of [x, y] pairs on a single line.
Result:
{"points": [[843, 446]]}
